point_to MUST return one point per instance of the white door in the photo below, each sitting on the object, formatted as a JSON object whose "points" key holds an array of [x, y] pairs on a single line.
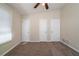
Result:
{"points": [[26, 31], [55, 30], [43, 30]]}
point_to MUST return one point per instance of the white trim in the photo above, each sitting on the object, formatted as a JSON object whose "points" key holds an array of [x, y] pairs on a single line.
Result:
{"points": [[70, 46], [10, 48], [41, 41]]}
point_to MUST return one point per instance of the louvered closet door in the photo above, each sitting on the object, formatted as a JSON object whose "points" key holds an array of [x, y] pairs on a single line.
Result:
{"points": [[55, 30], [26, 31], [43, 30]]}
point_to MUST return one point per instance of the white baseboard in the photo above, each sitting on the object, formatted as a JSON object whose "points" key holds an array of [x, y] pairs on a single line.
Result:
{"points": [[41, 41], [10, 49], [70, 46]]}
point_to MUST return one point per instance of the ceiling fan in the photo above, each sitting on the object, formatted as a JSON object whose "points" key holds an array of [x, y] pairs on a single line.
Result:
{"points": [[43, 4]]}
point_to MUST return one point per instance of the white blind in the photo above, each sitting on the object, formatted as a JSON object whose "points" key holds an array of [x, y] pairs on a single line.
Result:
{"points": [[5, 26]]}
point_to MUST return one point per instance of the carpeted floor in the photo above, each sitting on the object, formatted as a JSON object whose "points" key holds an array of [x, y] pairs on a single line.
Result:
{"points": [[42, 49]]}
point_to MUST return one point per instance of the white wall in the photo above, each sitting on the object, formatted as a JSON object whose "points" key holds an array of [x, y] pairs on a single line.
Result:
{"points": [[15, 29], [70, 25], [34, 18]]}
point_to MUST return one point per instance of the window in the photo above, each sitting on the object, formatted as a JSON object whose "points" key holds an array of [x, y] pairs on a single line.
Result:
{"points": [[5, 26]]}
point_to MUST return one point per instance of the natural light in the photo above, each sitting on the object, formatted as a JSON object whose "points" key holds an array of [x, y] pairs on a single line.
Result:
{"points": [[5, 26], [5, 37]]}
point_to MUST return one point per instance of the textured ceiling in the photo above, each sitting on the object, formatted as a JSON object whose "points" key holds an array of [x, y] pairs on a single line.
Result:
{"points": [[28, 8]]}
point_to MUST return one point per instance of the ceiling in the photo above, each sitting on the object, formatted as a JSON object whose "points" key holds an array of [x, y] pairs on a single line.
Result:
{"points": [[28, 8]]}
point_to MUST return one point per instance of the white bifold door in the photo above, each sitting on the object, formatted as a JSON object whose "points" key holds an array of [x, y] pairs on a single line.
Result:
{"points": [[55, 30], [43, 30], [26, 31], [48, 30]]}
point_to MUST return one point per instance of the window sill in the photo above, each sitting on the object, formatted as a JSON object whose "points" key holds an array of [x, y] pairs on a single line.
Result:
{"points": [[5, 37]]}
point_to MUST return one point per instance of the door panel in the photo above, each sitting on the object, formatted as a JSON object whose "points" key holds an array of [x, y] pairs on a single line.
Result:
{"points": [[43, 30], [26, 31], [55, 30]]}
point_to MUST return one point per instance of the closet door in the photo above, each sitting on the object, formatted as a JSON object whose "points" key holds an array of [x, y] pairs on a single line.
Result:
{"points": [[26, 31], [55, 30], [43, 30]]}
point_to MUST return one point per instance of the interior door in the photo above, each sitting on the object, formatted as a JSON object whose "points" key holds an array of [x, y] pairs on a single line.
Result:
{"points": [[43, 30], [26, 31], [55, 30]]}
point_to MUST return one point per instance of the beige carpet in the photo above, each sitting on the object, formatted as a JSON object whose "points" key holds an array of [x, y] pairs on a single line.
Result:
{"points": [[42, 49]]}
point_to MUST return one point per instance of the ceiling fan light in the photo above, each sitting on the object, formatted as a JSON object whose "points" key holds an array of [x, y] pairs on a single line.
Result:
{"points": [[43, 4]]}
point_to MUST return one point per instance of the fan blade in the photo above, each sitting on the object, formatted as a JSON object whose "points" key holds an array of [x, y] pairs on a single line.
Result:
{"points": [[36, 5], [46, 6]]}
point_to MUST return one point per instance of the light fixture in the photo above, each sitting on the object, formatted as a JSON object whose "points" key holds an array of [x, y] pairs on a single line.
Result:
{"points": [[43, 4]]}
